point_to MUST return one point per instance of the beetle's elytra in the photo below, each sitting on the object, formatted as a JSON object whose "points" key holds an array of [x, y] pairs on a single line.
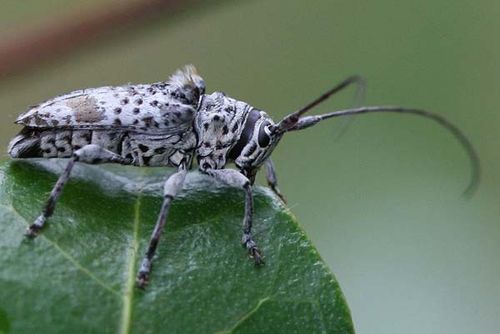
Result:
{"points": [[174, 123]]}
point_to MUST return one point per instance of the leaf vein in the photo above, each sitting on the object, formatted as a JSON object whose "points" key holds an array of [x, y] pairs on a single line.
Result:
{"points": [[128, 296], [247, 315], [65, 254]]}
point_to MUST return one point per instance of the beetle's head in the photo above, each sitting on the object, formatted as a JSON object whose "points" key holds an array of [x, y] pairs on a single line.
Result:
{"points": [[256, 142]]}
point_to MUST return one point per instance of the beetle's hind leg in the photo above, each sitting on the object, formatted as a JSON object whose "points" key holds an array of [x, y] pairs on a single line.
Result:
{"points": [[171, 188], [90, 154], [235, 179], [272, 180]]}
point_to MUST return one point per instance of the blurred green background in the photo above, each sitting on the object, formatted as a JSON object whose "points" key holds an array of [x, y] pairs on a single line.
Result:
{"points": [[382, 203]]}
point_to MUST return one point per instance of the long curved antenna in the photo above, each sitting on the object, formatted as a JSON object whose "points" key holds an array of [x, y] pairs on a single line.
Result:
{"points": [[358, 100], [308, 121], [290, 120]]}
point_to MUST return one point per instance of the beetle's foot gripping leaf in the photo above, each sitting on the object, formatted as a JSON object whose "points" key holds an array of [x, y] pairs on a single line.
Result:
{"points": [[33, 230], [256, 255], [252, 248], [278, 193], [142, 280], [143, 275]]}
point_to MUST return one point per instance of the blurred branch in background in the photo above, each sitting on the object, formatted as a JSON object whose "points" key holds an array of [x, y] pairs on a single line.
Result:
{"points": [[22, 51]]}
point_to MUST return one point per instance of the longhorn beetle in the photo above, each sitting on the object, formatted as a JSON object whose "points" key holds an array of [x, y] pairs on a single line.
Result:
{"points": [[170, 123]]}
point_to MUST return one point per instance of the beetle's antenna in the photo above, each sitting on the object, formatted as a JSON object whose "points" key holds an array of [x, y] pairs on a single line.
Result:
{"points": [[308, 121], [290, 120], [357, 101]]}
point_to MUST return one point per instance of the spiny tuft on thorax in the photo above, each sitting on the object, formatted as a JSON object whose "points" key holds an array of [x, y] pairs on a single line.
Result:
{"points": [[187, 77]]}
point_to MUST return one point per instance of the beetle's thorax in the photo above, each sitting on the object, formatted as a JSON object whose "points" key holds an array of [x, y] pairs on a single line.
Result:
{"points": [[232, 131]]}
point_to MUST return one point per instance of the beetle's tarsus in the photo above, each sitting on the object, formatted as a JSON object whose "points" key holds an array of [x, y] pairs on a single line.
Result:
{"points": [[143, 274], [142, 280], [34, 229], [278, 193], [272, 180], [252, 248], [256, 255]]}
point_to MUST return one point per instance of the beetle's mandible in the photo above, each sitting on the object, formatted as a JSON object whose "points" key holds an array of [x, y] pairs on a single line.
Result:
{"points": [[174, 123]]}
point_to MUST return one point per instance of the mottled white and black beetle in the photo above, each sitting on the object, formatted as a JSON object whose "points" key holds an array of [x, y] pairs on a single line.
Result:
{"points": [[169, 124]]}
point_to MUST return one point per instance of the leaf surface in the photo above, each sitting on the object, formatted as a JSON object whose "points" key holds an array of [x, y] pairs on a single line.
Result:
{"points": [[79, 274]]}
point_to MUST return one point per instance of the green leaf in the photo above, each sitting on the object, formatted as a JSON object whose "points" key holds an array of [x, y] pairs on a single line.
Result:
{"points": [[79, 274]]}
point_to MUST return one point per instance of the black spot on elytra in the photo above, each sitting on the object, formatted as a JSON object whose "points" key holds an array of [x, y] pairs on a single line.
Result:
{"points": [[51, 141], [117, 122], [143, 148], [138, 102], [154, 103], [136, 110], [225, 130], [235, 128], [205, 126], [118, 110], [124, 100], [136, 121], [156, 124], [148, 121], [206, 165], [206, 144], [61, 149], [166, 122], [216, 118]]}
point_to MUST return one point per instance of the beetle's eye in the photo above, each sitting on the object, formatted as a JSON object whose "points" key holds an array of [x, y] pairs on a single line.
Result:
{"points": [[263, 137]]}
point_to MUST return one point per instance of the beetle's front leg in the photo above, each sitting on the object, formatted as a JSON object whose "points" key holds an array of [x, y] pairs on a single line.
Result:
{"points": [[234, 178], [171, 188], [272, 180]]}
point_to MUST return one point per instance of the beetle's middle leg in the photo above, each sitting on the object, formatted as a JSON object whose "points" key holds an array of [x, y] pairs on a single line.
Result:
{"points": [[90, 154], [171, 188], [235, 179]]}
